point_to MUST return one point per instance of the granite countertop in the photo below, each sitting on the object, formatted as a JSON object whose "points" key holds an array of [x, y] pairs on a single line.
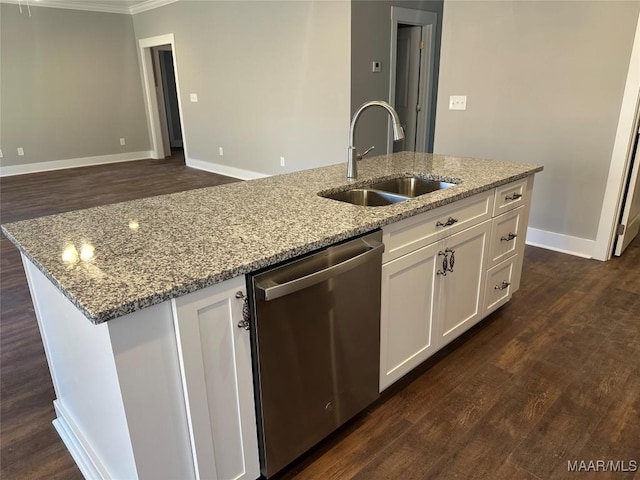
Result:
{"points": [[116, 259]]}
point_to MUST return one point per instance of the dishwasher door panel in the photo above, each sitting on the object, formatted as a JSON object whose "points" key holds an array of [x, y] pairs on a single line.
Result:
{"points": [[317, 361]]}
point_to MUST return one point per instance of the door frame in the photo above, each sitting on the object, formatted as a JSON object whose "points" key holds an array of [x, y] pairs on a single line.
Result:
{"points": [[428, 22], [153, 116], [620, 157]]}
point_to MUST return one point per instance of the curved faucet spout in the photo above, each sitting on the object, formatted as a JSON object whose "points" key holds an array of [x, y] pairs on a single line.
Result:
{"points": [[398, 133]]}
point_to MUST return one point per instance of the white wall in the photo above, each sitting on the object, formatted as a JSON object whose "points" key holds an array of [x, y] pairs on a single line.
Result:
{"points": [[544, 82], [272, 80]]}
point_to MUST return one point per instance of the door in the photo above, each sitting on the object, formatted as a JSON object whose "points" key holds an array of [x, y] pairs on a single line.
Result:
{"points": [[170, 94], [215, 359], [408, 83], [413, 40], [407, 313], [316, 343], [461, 280], [630, 214]]}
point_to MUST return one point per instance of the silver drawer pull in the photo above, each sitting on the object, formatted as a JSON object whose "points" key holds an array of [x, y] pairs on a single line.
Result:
{"points": [[513, 196], [508, 238], [502, 286], [450, 221]]}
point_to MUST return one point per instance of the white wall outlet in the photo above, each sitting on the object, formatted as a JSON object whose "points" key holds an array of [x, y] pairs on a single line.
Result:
{"points": [[282, 161], [376, 66], [123, 141], [458, 102], [193, 97], [220, 151], [20, 151], [0, 153]]}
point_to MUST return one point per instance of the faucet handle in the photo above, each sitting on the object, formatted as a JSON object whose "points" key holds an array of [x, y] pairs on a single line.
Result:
{"points": [[361, 155]]}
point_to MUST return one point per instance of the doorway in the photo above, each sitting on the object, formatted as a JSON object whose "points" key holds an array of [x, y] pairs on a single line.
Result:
{"points": [[412, 74], [162, 95], [167, 96]]}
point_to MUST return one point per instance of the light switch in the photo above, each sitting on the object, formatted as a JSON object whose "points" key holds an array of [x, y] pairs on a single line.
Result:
{"points": [[20, 151], [193, 97], [376, 66], [458, 102]]}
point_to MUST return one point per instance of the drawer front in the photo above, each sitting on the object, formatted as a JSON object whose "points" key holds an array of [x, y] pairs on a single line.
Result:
{"points": [[502, 281], [510, 196], [412, 233], [507, 235]]}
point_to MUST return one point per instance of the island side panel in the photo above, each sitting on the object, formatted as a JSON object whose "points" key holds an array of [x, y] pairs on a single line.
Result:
{"points": [[90, 413], [146, 357]]}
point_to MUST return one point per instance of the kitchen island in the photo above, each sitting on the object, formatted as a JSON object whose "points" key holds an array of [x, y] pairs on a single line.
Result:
{"points": [[193, 249]]}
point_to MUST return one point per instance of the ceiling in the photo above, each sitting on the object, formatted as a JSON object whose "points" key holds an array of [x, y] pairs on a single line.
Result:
{"points": [[112, 6]]}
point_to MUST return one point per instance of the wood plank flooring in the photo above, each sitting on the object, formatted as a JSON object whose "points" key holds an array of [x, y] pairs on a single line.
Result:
{"points": [[551, 377]]}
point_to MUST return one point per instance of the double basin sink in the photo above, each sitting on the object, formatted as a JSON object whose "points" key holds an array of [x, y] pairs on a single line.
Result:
{"points": [[388, 192]]}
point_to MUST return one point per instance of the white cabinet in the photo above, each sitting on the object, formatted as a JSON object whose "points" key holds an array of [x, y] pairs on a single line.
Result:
{"points": [[215, 360], [461, 290], [407, 313], [445, 270], [429, 297]]}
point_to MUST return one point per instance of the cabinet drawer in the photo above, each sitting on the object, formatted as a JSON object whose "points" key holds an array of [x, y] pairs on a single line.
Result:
{"points": [[412, 233], [510, 196], [507, 235], [502, 281]]}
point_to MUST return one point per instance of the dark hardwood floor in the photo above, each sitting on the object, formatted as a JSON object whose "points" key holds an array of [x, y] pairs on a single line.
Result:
{"points": [[552, 377]]}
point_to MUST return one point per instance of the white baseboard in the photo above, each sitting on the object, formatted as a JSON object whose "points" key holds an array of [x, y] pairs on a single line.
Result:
{"points": [[580, 247], [72, 163], [224, 169], [78, 446]]}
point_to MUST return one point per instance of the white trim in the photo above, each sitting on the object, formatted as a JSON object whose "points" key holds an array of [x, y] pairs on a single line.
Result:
{"points": [[80, 449], [151, 102], [224, 169], [149, 5], [72, 163], [619, 157], [580, 247], [95, 6]]}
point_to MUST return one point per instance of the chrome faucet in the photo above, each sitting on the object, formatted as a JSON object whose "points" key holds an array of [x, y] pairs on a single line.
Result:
{"points": [[398, 134]]}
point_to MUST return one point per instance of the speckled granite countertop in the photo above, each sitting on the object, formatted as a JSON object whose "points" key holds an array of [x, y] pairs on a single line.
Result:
{"points": [[116, 259]]}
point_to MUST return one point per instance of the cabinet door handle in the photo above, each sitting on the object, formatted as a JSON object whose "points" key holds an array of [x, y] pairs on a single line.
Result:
{"points": [[448, 261], [450, 221], [513, 196], [244, 323], [444, 270], [508, 238], [502, 286]]}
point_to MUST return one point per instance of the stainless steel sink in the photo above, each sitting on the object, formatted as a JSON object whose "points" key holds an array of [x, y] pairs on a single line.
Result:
{"points": [[413, 186], [366, 197], [388, 192]]}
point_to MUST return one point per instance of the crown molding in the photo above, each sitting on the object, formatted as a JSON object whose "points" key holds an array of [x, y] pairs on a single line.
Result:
{"points": [[149, 5], [93, 6]]}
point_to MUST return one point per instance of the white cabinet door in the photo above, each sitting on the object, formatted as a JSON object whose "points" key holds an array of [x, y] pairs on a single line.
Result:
{"points": [[407, 313], [215, 358], [461, 291]]}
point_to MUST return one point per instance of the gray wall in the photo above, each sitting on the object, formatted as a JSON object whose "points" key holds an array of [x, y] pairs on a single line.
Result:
{"points": [[272, 80], [371, 40], [69, 85], [544, 82]]}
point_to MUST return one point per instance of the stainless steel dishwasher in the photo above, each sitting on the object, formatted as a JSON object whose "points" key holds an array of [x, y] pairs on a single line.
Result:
{"points": [[315, 330]]}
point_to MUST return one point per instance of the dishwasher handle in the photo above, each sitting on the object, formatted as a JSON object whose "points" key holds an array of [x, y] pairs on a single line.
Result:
{"points": [[277, 291]]}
